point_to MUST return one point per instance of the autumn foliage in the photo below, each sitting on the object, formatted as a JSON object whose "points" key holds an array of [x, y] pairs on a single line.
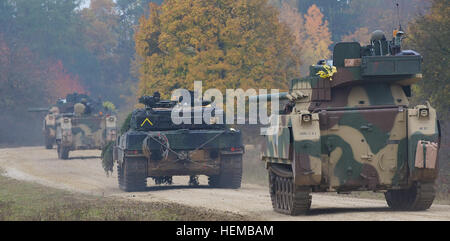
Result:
{"points": [[224, 43], [311, 33], [361, 35], [60, 83], [26, 79], [429, 35]]}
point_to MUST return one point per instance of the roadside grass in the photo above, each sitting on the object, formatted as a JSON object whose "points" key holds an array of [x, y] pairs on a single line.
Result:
{"points": [[24, 201]]}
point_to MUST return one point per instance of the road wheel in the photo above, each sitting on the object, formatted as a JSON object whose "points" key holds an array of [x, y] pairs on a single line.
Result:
{"points": [[120, 178], [63, 152], [230, 173], [134, 175], [48, 143], [418, 197], [287, 198]]}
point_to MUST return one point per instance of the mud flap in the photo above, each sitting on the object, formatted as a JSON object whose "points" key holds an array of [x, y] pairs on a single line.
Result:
{"points": [[306, 149]]}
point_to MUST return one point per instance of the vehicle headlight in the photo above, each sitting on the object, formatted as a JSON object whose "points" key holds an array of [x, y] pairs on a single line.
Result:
{"points": [[424, 112]]}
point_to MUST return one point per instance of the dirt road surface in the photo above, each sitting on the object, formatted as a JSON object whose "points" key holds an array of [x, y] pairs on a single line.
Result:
{"points": [[84, 173]]}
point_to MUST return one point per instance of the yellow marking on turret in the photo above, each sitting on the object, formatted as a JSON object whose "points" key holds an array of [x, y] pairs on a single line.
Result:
{"points": [[146, 120]]}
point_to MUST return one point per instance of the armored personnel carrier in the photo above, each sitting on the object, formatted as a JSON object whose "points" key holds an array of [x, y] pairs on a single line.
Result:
{"points": [[156, 147], [62, 106], [49, 124], [349, 126], [81, 123]]}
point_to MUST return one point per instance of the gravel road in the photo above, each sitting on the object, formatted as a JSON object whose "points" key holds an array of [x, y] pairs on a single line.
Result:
{"points": [[83, 173]]}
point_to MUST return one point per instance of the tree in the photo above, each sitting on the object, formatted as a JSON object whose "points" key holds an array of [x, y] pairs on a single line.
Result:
{"points": [[52, 30], [26, 80], [429, 34], [89, 42], [100, 32], [21, 79], [106, 41], [21, 87], [361, 35], [317, 37], [47, 26], [294, 20], [52, 47], [59, 83], [346, 17], [224, 43], [130, 11], [383, 14]]}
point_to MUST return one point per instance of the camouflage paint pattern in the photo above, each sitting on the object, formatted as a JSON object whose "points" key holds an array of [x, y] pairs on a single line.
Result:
{"points": [[362, 134], [49, 126], [85, 132]]}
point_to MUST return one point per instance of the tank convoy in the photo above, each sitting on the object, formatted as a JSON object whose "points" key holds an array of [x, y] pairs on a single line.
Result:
{"points": [[349, 126], [78, 123], [156, 147]]}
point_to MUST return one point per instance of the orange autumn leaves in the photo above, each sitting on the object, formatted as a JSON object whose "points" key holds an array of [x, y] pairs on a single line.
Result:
{"points": [[227, 44], [60, 83], [311, 32], [224, 43], [25, 78]]}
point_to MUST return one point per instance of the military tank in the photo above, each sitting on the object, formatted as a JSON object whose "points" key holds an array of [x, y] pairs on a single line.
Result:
{"points": [[78, 123], [349, 126], [156, 147]]}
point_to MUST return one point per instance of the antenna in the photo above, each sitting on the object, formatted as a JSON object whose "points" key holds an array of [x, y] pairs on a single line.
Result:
{"points": [[398, 17], [393, 18]]}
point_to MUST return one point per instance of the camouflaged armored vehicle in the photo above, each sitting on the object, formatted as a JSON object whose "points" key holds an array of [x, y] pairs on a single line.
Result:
{"points": [[83, 124], [156, 147], [49, 124], [349, 127]]}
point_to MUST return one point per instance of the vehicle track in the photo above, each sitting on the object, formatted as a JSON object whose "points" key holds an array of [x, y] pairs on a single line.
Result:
{"points": [[83, 173]]}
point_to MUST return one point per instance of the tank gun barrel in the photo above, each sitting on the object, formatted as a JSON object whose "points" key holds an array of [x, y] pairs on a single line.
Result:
{"points": [[291, 96], [268, 97]]}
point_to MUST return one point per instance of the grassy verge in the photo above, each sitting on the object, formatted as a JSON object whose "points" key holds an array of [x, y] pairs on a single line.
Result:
{"points": [[28, 201]]}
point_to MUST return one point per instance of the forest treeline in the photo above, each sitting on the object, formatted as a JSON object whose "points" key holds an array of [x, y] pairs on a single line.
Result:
{"points": [[56, 47], [49, 48], [265, 43], [119, 49]]}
